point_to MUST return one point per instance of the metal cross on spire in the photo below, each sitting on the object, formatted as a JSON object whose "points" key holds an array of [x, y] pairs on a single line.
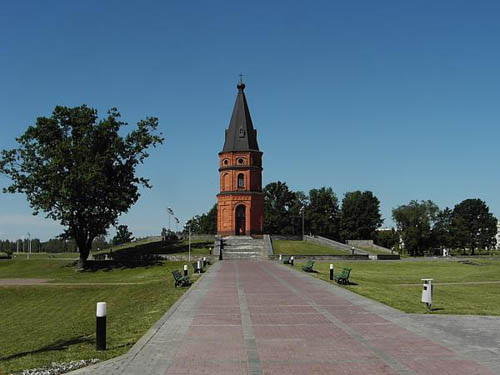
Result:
{"points": [[241, 78]]}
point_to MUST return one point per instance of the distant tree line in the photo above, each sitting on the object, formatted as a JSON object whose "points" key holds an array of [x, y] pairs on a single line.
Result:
{"points": [[63, 245], [423, 226], [53, 245], [319, 211], [358, 218], [420, 226]]}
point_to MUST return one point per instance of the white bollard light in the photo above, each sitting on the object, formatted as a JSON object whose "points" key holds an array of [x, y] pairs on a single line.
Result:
{"points": [[101, 326], [185, 270], [198, 266], [280, 256]]}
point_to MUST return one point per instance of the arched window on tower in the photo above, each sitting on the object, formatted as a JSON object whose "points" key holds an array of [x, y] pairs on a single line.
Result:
{"points": [[241, 181]]}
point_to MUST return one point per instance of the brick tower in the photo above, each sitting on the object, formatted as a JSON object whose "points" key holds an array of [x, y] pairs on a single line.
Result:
{"points": [[241, 200]]}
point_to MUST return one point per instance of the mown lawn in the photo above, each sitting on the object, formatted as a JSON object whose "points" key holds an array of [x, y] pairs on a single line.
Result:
{"points": [[42, 324], [398, 284], [156, 246], [287, 247], [46, 255]]}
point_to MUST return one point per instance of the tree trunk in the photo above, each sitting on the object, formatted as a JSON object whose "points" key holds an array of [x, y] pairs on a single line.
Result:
{"points": [[84, 250]]}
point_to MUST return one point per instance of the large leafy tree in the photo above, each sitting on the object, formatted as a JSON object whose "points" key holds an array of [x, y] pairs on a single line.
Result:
{"points": [[359, 216], [387, 238], [208, 221], [475, 223], [323, 212], [278, 200], [79, 170], [123, 235], [414, 222], [203, 224], [442, 229]]}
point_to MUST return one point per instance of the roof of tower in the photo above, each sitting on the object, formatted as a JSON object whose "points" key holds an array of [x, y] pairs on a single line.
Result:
{"points": [[241, 136]]}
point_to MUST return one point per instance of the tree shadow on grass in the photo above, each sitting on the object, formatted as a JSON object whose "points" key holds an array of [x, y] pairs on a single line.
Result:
{"points": [[436, 309], [109, 265], [55, 346]]}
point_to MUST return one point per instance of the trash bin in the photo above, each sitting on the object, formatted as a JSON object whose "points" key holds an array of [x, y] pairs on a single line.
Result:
{"points": [[427, 292]]}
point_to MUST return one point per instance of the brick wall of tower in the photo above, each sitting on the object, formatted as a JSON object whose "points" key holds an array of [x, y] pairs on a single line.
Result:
{"points": [[232, 194]]}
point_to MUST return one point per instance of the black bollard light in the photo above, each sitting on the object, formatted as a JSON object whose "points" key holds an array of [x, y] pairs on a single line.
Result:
{"points": [[331, 271], [101, 326], [204, 262], [220, 254], [185, 270], [291, 261]]}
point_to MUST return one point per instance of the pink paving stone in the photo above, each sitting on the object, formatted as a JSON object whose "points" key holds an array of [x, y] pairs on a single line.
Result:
{"points": [[222, 350], [196, 367], [289, 309], [214, 309], [293, 338], [320, 331], [375, 367], [312, 350], [215, 332], [285, 318], [275, 301], [218, 301], [382, 330], [217, 319]]}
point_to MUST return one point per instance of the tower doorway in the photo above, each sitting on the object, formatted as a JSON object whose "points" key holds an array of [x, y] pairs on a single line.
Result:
{"points": [[240, 220]]}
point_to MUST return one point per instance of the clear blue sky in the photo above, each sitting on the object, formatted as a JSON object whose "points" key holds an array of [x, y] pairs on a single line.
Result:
{"points": [[397, 97]]}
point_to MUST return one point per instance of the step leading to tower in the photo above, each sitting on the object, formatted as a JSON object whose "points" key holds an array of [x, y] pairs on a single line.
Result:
{"points": [[243, 247]]}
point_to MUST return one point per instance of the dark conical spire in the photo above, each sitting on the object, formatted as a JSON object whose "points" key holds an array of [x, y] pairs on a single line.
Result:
{"points": [[241, 136]]}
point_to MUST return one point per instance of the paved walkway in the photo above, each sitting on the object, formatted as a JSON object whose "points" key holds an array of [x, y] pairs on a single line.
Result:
{"points": [[252, 317]]}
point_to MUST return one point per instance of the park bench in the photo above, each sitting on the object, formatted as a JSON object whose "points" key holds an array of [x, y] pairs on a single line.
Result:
{"points": [[286, 260], [180, 279], [309, 266], [196, 269], [343, 277]]}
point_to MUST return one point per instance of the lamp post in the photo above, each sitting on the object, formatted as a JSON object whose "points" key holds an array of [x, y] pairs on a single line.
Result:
{"points": [[29, 245], [170, 213], [302, 210], [188, 224]]}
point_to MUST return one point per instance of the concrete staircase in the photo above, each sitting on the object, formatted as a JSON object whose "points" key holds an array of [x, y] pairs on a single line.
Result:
{"points": [[243, 247]]}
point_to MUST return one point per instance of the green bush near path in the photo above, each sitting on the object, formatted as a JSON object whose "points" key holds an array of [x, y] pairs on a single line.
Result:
{"points": [[471, 287], [287, 247], [42, 324]]}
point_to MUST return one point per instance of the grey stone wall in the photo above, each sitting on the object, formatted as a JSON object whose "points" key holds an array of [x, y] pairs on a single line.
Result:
{"points": [[275, 237], [321, 258], [369, 244], [362, 243], [268, 245], [335, 244]]}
